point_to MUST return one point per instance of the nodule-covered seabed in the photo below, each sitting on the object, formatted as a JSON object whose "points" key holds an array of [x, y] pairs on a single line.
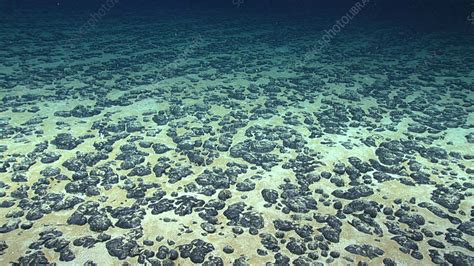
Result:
{"points": [[204, 139]]}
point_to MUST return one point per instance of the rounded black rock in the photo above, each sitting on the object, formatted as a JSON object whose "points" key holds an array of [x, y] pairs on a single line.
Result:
{"points": [[228, 249]]}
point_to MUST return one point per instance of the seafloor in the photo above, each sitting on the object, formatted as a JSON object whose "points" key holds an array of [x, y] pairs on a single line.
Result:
{"points": [[207, 138]]}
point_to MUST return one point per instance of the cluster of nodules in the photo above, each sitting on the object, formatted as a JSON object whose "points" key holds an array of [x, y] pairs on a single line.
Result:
{"points": [[187, 160], [128, 157], [315, 215]]}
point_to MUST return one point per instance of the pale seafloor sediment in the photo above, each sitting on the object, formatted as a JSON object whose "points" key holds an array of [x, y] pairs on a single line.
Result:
{"points": [[186, 140]]}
